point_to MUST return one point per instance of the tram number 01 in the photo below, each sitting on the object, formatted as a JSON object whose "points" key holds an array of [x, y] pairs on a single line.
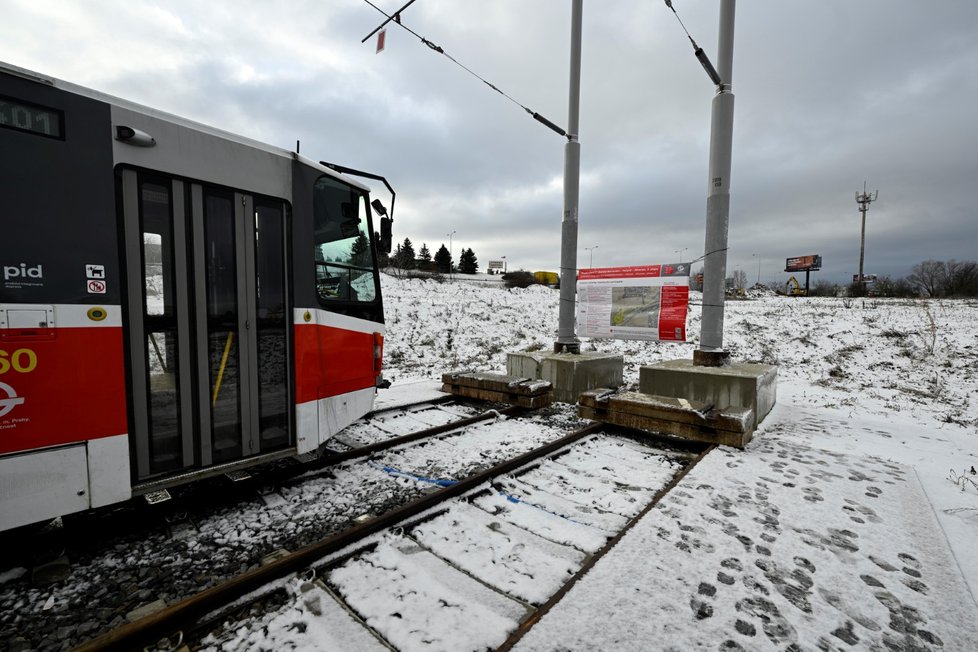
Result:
{"points": [[22, 361]]}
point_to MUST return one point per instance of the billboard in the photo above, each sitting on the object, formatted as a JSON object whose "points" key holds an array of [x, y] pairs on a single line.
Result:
{"points": [[645, 302], [803, 263], [495, 264]]}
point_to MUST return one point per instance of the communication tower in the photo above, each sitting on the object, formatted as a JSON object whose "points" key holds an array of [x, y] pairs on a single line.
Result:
{"points": [[864, 199]]}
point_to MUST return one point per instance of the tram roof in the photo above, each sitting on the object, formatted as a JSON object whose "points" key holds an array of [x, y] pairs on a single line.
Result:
{"points": [[76, 89]]}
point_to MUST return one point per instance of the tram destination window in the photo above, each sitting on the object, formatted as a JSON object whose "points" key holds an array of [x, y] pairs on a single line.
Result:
{"points": [[344, 250], [31, 118]]}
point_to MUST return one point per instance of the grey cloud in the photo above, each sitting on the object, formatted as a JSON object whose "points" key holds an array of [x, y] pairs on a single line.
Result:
{"points": [[827, 94]]}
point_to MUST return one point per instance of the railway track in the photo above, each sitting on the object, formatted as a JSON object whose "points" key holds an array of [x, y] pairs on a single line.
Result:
{"points": [[470, 566], [134, 560]]}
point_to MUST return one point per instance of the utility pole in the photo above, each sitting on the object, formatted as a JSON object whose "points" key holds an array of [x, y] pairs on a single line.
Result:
{"points": [[591, 251], [864, 200], [567, 341], [711, 353], [451, 263]]}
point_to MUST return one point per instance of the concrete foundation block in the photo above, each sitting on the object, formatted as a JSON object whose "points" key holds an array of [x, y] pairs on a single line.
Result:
{"points": [[570, 374], [680, 417], [523, 391], [739, 384]]}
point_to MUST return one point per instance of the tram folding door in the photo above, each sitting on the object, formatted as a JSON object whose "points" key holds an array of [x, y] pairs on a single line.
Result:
{"points": [[209, 324]]}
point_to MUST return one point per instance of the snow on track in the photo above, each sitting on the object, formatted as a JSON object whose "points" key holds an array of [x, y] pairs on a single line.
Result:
{"points": [[811, 547], [465, 576]]}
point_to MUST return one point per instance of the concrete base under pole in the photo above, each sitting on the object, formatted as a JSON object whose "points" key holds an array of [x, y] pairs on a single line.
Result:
{"points": [[736, 384], [570, 374]]}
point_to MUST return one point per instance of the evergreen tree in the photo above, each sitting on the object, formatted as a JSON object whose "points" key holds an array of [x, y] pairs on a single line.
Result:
{"points": [[467, 262], [443, 260], [404, 258], [425, 263], [407, 250]]}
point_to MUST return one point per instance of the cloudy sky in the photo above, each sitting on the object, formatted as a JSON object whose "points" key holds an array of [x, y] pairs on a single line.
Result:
{"points": [[829, 94]]}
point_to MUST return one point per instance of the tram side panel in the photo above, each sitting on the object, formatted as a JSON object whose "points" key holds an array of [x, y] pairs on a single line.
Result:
{"points": [[338, 333], [62, 369], [65, 428]]}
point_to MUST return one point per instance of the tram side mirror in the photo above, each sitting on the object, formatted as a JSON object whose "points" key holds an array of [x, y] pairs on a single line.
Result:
{"points": [[386, 231], [386, 235]]}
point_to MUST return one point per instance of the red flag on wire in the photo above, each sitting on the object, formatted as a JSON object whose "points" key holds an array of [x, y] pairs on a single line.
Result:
{"points": [[381, 37]]}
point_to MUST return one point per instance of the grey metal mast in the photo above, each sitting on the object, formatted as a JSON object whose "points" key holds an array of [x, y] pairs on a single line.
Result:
{"points": [[864, 200], [566, 333], [711, 351]]}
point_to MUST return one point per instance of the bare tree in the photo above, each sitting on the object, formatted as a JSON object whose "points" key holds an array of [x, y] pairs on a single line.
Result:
{"points": [[739, 279], [825, 288], [952, 278], [961, 278], [929, 277]]}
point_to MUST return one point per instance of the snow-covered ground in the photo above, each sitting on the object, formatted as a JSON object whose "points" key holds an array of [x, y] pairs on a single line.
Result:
{"points": [[850, 520]]}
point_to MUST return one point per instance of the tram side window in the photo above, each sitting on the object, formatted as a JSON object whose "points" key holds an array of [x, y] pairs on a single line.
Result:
{"points": [[344, 249]]}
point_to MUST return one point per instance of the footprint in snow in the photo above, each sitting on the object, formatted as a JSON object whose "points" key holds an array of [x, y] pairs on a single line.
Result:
{"points": [[909, 560], [774, 625], [701, 608], [850, 611], [812, 494], [845, 633], [914, 585], [795, 584], [905, 631], [882, 564], [732, 563], [869, 580]]}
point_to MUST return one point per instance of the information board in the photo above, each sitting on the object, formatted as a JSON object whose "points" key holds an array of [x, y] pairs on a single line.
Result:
{"points": [[645, 302]]}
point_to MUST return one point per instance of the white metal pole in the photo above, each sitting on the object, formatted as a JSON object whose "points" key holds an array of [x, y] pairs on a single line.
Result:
{"points": [[567, 341], [718, 200]]}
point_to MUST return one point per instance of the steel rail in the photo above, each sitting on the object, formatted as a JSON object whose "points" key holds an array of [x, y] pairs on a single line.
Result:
{"points": [[438, 400], [180, 616], [534, 617], [289, 474], [361, 451]]}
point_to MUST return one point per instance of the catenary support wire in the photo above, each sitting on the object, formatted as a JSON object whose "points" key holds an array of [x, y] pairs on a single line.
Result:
{"points": [[440, 50], [697, 50]]}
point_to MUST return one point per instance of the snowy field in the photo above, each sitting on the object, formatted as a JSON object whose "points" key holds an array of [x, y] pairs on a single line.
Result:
{"points": [[849, 521]]}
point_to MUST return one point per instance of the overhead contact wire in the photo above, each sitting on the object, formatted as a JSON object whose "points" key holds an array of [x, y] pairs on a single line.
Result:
{"points": [[440, 50]]}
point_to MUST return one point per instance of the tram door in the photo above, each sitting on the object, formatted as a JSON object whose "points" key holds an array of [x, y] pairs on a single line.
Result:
{"points": [[209, 324]]}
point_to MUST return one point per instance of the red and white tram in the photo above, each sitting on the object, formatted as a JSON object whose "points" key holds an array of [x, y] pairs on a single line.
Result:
{"points": [[175, 301]]}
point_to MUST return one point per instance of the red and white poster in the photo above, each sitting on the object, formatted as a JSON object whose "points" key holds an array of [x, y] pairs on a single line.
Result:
{"points": [[644, 302]]}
